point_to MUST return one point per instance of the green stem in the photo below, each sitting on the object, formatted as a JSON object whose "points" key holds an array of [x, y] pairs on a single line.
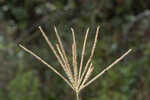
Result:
{"points": [[77, 95]]}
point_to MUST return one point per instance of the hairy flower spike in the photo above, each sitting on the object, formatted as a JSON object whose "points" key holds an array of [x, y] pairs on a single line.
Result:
{"points": [[79, 78]]}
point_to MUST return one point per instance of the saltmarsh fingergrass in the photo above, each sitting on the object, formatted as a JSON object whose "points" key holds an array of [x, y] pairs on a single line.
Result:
{"points": [[77, 77]]}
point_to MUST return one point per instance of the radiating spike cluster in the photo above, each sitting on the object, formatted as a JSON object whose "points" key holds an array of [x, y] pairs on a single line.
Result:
{"points": [[76, 77]]}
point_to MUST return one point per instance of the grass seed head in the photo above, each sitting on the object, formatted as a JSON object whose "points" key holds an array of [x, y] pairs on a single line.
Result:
{"points": [[78, 77]]}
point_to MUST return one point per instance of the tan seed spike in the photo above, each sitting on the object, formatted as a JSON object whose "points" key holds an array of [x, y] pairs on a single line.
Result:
{"points": [[64, 67], [51, 67], [74, 57], [64, 53], [83, 52], [53, 49], [92, 52], [73, 64], [90, 70], [107, 68]]}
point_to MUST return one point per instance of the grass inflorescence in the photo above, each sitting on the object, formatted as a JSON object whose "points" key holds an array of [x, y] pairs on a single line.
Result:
{"points": [[77, 77]]}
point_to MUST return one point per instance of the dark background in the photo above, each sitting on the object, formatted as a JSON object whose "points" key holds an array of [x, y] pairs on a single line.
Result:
{"points": [[124, 24]]}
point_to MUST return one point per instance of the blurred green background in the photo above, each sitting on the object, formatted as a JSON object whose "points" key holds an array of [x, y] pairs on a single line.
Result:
{"points": [[124, 24]]}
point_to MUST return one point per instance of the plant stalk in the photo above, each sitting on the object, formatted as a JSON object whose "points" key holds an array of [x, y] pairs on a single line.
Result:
{"points": [[77, 95]]}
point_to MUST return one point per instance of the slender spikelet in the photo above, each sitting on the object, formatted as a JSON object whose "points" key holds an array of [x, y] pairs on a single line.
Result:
{"points": [[90, 58], [82, 55], [48, 65], [74, 54], [80, 77], [64, 54], [107, 68], [63, 59], [56, 54], [89, 72]]}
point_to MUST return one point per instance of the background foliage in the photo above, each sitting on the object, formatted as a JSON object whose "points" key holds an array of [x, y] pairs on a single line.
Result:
{"points": [[124, 24]]}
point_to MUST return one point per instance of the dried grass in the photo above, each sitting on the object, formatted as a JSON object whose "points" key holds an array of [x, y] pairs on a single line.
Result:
{"points": [[77, 77]]}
